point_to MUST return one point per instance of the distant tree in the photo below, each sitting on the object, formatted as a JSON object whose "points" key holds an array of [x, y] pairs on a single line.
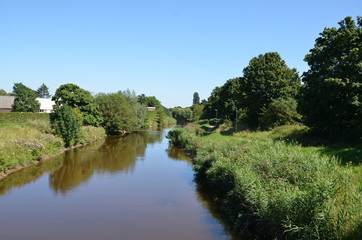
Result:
{"points": [[78, 98], [196, 98], [182, 115], [225, 99], [279, 112], [25, 100], [43, 91], [4, 93], [331, 98], [65, 124], [142, 99], [118, 114], [267, 77], [138, 108], [197, 111], [153, 102]]}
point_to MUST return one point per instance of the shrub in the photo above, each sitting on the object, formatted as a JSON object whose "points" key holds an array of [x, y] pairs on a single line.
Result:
{"points": [[89, 134], [281, 111], [65, 124]]}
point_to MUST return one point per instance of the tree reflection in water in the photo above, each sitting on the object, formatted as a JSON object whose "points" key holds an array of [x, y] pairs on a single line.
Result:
{"points": [[117, 154]]}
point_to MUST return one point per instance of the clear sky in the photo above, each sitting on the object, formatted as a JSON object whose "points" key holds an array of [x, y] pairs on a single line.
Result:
{"points": [[164, 48]]}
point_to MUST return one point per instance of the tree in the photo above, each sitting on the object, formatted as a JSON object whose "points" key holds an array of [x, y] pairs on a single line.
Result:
{"points": [[197, 110], [224, 99], [279, 112], [78, 98], [267, 77], [65, 124], [118, 115], [43, 91], [196, 98], [331, 98], [182, 115], [25, 100], [3, 93]]}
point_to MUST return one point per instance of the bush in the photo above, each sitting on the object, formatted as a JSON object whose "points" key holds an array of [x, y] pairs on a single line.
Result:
{"points": [[65, 124], [89, 134], [279, 112]]}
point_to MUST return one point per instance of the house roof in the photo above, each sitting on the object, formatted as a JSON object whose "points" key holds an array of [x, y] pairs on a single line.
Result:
{"points": [[6, 101]]}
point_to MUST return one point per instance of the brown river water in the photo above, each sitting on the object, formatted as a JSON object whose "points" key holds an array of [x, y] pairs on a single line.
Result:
{"points": [[130, 187]]}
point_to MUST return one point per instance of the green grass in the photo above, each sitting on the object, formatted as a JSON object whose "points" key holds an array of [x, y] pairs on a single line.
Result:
{"points": [[22, 144], [266, 183]]}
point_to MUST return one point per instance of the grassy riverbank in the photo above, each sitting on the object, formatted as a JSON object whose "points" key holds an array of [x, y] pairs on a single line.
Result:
{"points": [[277, 189], [25, 143]]}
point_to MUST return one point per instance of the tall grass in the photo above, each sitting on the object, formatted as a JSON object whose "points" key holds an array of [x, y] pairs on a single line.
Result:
{"points": [[24, 143], [277, 190], [21, 145]]}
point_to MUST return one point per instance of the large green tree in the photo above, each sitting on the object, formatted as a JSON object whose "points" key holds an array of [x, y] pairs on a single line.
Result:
{"points": [[332, 92], [25, 100], [267, 77], [81, 101], [43, 91]]}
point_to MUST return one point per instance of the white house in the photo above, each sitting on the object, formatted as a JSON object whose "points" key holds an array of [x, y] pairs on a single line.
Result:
{"points": [[46, 105]]}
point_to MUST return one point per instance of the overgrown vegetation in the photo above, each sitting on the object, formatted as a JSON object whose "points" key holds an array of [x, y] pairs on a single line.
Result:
{"points": [[273, 188], [22, 144]]}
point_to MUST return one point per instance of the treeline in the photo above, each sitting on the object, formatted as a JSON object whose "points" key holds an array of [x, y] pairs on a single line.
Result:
{"points": [[117, 113], [327, 97]]}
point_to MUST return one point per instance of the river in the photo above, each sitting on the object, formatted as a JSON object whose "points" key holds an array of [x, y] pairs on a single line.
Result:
{"points": [[122, 187]]}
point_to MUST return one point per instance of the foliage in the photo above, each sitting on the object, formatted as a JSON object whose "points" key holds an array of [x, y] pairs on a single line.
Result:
{"points": [[279, 190], [196, 98], [78, 98], [197, 111], [182, 115], [224, 99], [88, 134], [138, 108], [267, 77], [43, 91], [22, 117], [334, 82], [281, 111], [65, 124], [25, 100], [118, 114], [4, 93]]}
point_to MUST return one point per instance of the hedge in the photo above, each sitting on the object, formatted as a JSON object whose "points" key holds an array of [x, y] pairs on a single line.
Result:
{"points": [[18, 117]]}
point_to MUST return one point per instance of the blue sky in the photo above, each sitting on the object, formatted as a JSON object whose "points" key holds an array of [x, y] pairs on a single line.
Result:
{"points": [[168, 49]]}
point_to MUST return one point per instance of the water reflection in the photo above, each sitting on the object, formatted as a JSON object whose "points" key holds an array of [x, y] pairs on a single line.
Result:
{"points": [[177, 154], [115, 155]]}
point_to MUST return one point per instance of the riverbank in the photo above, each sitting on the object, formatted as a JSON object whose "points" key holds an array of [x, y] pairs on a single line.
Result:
{"points": [[275, 189], [26, 143]]}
